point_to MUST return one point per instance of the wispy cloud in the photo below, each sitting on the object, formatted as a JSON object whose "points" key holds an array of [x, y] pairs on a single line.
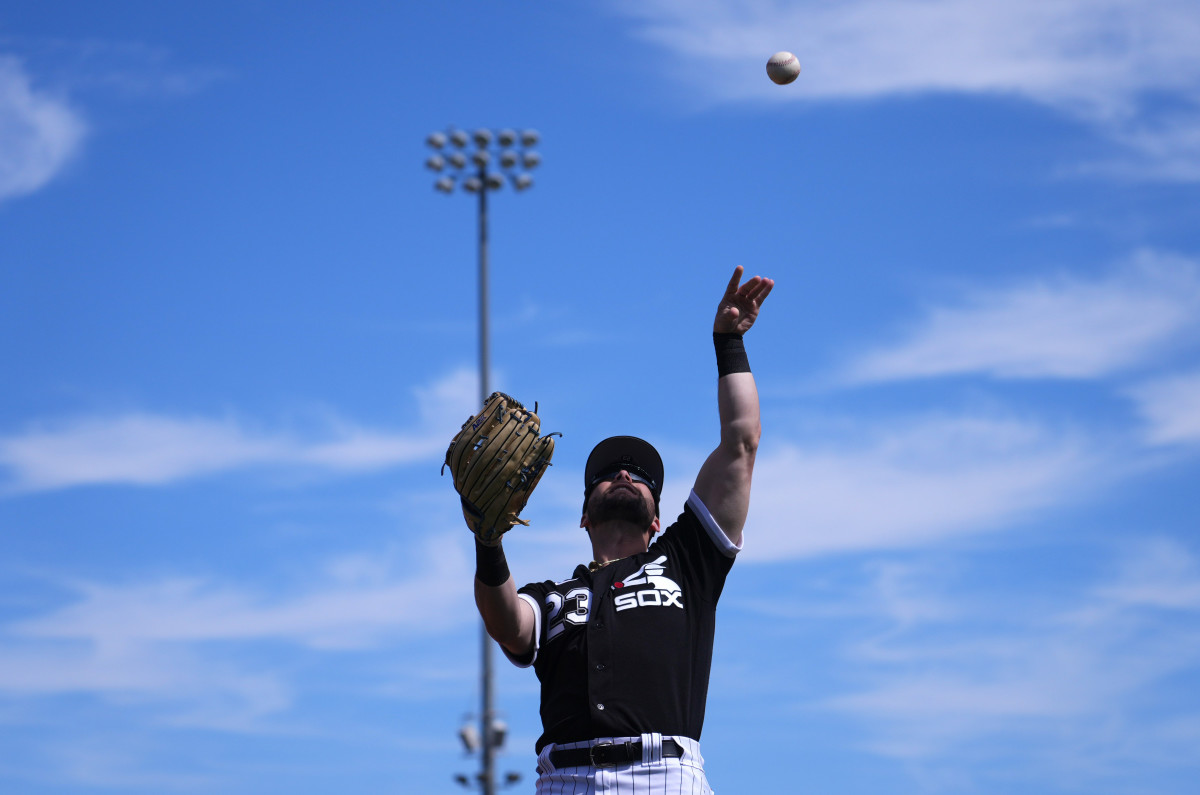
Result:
{"points": [[131, 68], [175, 678], [352, 606], [119, 764], [1069, 327], [1069, 675], [910, 484], [1171, 408], [1157, 573], [39, 133], [150, 449], [1108, 62], [1165, 147], [184, 648]]}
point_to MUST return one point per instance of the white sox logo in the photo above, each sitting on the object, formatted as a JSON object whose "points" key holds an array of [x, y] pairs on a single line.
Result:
{"points": [[575, 606], [663, 591]]}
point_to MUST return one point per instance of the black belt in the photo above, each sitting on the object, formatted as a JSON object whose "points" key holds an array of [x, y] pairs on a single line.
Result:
{"points": [[610, 754]]}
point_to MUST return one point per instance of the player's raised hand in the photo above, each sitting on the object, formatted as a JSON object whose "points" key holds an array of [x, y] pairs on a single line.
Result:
{"points": [[739, 306]]}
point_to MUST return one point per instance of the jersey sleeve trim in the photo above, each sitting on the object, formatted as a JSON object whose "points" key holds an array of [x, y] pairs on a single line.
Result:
{"points": [[537, 634], [722, 542]]}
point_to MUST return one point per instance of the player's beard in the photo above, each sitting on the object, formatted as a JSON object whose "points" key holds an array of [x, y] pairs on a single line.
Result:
{"points": [[623, 505]]}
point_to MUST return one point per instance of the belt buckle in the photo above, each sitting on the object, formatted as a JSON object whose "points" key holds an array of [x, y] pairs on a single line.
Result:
{"points": [[592, 755]]}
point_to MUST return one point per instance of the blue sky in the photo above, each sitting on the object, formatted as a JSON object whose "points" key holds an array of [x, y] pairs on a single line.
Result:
{"points": [[238, 328]]}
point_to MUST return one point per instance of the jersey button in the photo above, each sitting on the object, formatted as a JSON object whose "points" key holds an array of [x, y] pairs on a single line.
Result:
{"points": [[600, 666], [600, 706]]}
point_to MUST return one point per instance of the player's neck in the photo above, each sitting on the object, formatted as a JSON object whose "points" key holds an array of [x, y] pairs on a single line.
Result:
{"points": [[615, 540]]}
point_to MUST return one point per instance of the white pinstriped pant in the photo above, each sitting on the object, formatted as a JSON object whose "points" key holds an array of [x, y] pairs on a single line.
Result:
{"points": [[654, 776]]}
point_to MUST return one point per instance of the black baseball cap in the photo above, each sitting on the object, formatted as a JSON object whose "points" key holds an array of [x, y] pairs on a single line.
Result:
{"points": [[636, 456]]}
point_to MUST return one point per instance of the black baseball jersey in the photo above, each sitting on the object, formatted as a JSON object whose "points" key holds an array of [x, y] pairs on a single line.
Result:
{"points": [[627, 649]]}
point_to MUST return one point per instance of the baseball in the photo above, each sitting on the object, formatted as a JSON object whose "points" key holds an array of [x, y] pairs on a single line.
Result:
{"points": [[783, 68]]}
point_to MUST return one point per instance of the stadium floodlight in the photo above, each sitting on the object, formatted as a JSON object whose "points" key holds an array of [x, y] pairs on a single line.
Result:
{"points": [[496, 156], [470, 737]]}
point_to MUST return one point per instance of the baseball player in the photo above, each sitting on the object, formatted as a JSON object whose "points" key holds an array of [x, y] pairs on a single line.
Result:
{"points": [[623, 646]]}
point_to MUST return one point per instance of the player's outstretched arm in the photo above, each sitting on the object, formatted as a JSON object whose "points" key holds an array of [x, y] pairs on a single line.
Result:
{"points": [[507, 618], [723, 484]]}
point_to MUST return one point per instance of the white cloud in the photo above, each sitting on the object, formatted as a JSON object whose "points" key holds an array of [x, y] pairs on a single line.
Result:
{"points": [[910, 485], [119, 764], [345, 612], [446, 403], [39, 133], [1098, 60], [133, 69], [1092, 55], [1065, 328], [186, 648], [1073, 676], [147, 672], [1171, 407], [1164, 147], [1158, 573], [147, 449], [144, 449]]}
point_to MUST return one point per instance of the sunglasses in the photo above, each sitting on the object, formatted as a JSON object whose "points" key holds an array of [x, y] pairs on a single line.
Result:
{"points": [[636, 474]]}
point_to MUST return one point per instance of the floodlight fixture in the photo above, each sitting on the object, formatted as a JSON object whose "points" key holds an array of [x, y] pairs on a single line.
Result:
{"points": [[499, 731], [470, 737], [496, 157]]}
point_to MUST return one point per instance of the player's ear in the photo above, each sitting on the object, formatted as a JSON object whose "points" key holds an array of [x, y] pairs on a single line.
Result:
{"points": [[655, 526]]}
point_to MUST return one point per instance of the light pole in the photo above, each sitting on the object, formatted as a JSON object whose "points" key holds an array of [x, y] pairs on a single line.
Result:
{"points": [[480, 169]]}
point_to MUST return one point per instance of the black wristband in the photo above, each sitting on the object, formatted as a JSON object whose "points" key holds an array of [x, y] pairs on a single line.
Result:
{"points": [[491, 567], [731, 353]]}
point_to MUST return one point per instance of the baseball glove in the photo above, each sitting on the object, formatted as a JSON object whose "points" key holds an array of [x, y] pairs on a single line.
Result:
{"points": [[497, 459]]}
